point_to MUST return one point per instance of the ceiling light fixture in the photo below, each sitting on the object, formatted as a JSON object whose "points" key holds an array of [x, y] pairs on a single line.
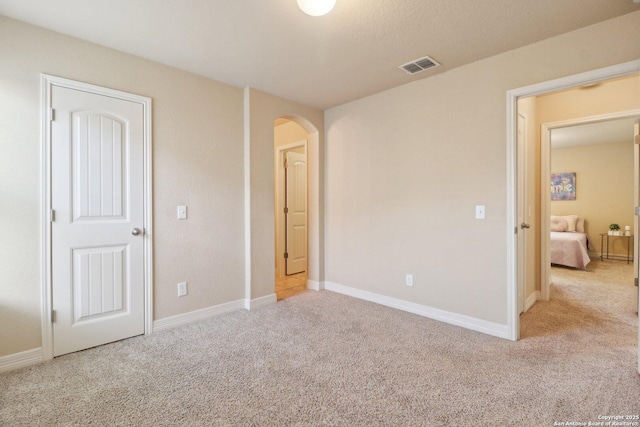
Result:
{"points": [[316, 7]]}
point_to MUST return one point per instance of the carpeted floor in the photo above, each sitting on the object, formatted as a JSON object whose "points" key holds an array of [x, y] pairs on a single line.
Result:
{"points": [[321, 358]]}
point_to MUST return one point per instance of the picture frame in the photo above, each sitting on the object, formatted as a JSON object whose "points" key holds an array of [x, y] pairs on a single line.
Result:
{"points": [[563, 186]]}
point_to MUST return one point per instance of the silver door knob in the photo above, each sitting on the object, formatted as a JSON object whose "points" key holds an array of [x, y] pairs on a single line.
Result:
{"points": [[525, 225], [136, 231]]}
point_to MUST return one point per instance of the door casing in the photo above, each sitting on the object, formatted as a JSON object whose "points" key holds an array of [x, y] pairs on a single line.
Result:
{"points": [[545, 173], [47, 82]]}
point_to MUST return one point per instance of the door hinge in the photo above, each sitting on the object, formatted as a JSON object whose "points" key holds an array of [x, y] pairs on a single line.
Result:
{"points": [[52, 115], [53, 315], [52, 215], [286, 163], [515, 230], [637, 209], [286, 255], [635, 281], [286, 210], [637, 139]]}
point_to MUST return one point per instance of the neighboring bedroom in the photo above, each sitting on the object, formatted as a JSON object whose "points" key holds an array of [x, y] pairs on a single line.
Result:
{"points": [[592, 188], [582, 143]]}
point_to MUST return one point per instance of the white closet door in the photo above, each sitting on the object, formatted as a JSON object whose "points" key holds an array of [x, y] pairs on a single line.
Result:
{"points": [[296, 217], [97, 234]]}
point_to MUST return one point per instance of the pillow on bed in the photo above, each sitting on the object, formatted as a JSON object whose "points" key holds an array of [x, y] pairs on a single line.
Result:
{"points": [[571, 220], [558, 223], [580, 225]]}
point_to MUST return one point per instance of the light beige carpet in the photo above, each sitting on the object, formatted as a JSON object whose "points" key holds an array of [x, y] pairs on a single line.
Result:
{"points": [[321, 358]]}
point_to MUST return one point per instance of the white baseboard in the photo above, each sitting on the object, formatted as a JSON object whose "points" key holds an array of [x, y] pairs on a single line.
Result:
{"points": [[478, 325], [528, 303], [315, 286], [21, 360], [192, 316], [259, 302]]}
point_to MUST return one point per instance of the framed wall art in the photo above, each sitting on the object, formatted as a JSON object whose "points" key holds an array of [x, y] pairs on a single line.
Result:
{"points": [[563, 186]]}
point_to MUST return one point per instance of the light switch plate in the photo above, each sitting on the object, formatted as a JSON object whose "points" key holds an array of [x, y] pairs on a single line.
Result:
{"points": [[480, 212], [182, 212], [182, 289]]}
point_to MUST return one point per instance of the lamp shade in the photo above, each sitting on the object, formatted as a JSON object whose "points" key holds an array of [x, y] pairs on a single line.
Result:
{"points": [[316, 7]]}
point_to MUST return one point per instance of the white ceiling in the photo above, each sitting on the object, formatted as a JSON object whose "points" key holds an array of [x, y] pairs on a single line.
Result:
{"points": [[325, 61], [608, 132]]}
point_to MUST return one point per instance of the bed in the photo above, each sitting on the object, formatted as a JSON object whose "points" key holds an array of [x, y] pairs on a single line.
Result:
{"points": [[569, 242]]}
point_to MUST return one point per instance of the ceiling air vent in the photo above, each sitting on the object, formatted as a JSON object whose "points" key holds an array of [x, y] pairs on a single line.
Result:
{"points": [[418, 65]]}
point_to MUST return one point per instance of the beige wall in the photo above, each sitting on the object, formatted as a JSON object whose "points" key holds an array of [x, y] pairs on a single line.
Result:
{"points": [[612, 96], [604, 187], [197, 156], [264, 109], [405, 167], [288, 133]]}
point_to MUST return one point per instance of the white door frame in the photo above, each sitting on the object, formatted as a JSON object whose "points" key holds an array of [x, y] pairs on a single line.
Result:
{"points": [[545, 173], [589, 77], [279, 187], [47, 82]]}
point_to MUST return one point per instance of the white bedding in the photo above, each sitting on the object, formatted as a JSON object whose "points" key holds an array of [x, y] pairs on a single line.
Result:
{"points": [[570, 249]]}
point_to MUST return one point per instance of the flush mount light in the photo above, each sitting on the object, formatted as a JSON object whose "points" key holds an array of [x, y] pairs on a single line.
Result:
{"points": [[316, 7]]}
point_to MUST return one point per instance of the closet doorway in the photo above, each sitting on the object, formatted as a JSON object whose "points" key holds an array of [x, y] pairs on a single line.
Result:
{"points": [[291, 206]]}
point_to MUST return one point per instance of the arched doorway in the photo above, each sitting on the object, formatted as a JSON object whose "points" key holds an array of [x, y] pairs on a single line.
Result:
{"points": [[291, 208]]}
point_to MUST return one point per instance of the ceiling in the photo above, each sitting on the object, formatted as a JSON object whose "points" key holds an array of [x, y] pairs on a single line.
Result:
{"points": [[607, 132], [352, 52]]}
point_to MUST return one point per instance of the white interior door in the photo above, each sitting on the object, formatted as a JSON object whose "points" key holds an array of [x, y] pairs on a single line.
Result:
{"points": [[97, 195], [296, 212], [522, 217]]}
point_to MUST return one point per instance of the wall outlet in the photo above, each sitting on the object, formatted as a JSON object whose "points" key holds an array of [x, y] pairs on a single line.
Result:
{"points": [[182, 289], [409, 280]]}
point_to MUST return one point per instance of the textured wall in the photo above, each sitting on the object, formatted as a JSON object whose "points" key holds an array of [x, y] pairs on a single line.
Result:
{"points": [[264, 110], [604, 174], [405, 167], [197, 156]]}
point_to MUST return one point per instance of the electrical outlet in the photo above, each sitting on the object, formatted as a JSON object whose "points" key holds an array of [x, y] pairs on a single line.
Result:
{"points": [[182, 289], [409, 280]]}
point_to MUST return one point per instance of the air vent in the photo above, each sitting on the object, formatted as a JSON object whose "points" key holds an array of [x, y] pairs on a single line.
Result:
{"points": [[418, 65]]}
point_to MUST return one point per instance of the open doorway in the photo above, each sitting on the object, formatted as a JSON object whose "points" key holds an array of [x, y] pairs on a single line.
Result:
{"points": [[291, 206], [576, 137], [592, 262], [521, 215]]}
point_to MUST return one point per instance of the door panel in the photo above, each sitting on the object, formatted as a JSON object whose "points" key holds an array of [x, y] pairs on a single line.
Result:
{"points": [[98, 196], [99, 282], [98, 185], [296, 218]]}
